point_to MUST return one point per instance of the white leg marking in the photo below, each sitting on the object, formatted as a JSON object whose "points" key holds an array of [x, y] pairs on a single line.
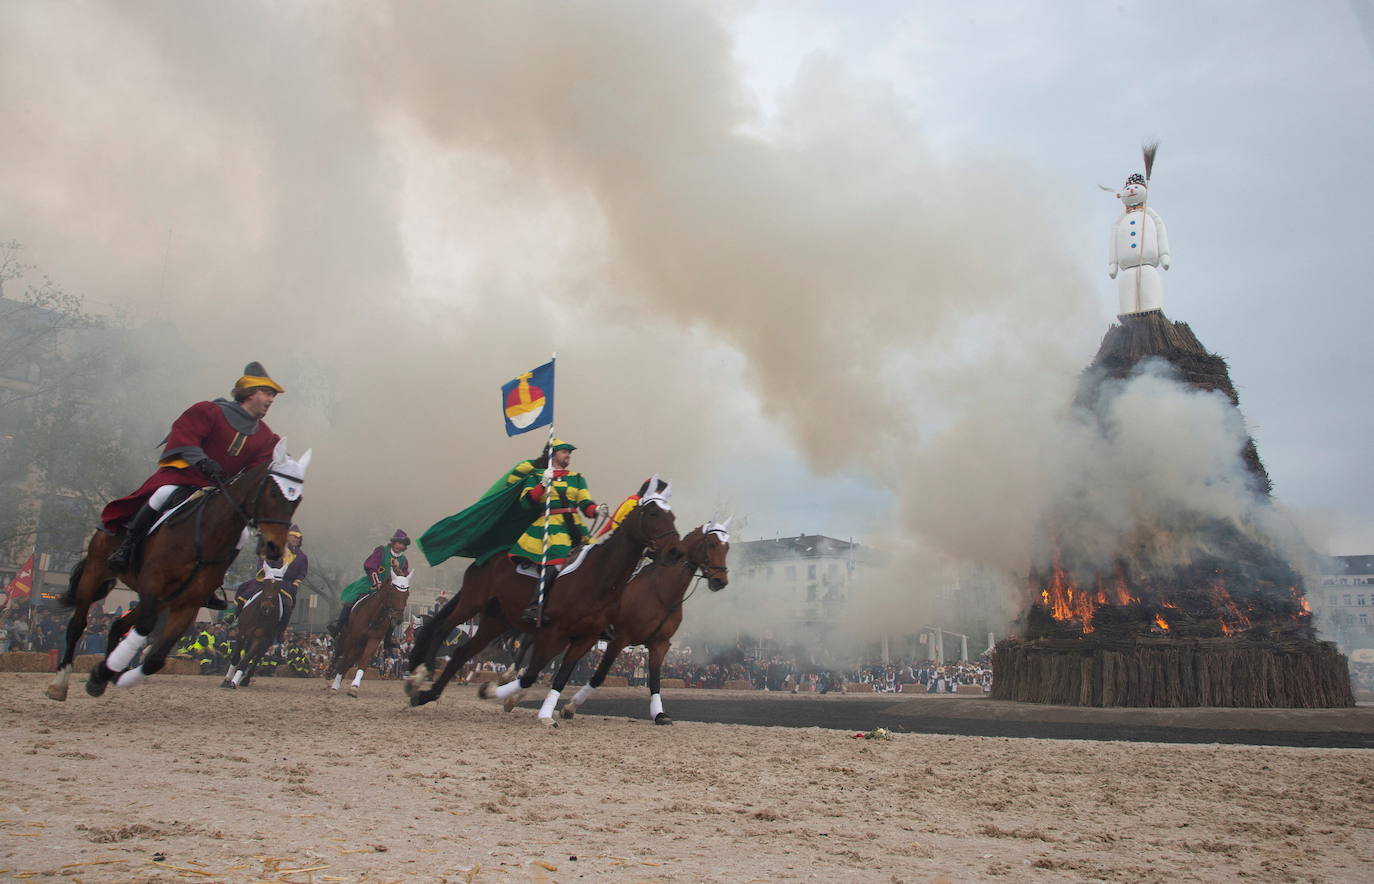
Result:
{"points": [[546, 711], [238, 676], [338, 680], [358, 679], [128, 648], [655, 705], [130, 678], [505, 690], [582, 694]]}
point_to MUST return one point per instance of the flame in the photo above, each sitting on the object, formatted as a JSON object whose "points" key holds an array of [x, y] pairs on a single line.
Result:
{"points": [[1238, 621], [1159, 621], [1306, 608], [1065, 600]]}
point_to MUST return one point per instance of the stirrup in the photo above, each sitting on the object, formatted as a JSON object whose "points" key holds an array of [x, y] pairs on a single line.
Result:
{"points": [[216, 603], [531, 616]]}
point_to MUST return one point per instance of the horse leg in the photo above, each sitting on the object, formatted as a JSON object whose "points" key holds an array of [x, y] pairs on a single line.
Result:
{"points": [[125, 643], [84, 589], [607, 661], [369, 649], [430, 637], [657, 651], [574, 653], [490, 627], [178, 621], [546, 646], [231, 677]]}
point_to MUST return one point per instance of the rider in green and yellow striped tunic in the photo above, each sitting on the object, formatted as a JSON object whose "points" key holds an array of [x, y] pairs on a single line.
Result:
{"points": [[558, 499]]}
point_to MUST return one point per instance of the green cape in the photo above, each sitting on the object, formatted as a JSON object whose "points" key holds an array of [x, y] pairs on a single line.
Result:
{"points": [[482, 530]]}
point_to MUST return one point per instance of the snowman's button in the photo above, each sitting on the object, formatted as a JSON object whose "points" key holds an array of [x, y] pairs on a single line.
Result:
{"points": [[1132, 245]]}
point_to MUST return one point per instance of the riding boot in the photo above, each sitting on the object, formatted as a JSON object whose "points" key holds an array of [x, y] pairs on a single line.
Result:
{"points": [[336, 628], [122, 559], [542, 590]]}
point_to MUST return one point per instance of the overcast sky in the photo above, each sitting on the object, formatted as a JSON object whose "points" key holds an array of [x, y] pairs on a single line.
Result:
{"points": [[779, 246]]}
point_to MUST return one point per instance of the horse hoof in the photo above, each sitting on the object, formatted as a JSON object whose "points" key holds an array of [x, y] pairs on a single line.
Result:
{"points": [[56, 692], [662, 718], [353, 690], [513, 700], [423, 697], [548, 722], [569, 711], [486, 690], [228, 685], [96, 688]]}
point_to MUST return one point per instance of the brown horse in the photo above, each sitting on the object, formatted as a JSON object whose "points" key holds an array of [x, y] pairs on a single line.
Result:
{"points": [[372, 618], [183, 564], [580, 606], [651, 609], [261, 620]]}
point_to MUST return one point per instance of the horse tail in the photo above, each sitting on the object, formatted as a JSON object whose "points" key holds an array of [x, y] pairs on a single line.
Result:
{"points": [[68, 599]]}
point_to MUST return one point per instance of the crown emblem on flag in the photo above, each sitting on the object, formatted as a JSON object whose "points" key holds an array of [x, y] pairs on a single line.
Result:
{"points": [[527, 401]]}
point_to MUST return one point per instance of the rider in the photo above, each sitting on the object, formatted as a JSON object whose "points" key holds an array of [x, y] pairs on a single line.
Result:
{"points": [[297, 565], [385, 560], [557, 497], [208, 443]]}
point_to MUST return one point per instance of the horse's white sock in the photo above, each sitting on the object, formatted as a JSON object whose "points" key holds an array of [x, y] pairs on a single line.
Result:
{"points": [[582, 694], [130, 678], [338, 680], [125, 652], [546, 711], [505, 690], [238, 676], [358, 679], [655, 705]]}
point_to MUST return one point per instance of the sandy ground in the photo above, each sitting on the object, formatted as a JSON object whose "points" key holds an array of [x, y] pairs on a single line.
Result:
{"points": [[179, 781]]}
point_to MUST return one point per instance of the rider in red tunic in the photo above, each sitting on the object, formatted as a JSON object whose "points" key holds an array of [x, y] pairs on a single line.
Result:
{"points": [[209, 443]]}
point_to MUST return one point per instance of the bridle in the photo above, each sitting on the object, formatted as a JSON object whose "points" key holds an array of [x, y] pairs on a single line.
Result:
{"points": [[251, 520]]}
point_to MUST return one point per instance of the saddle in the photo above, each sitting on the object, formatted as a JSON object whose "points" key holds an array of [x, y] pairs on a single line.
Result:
{"points": [[532, 570]]}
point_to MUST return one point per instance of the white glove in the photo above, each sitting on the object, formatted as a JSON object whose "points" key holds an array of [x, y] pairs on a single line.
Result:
{"points": [[547, 480]]}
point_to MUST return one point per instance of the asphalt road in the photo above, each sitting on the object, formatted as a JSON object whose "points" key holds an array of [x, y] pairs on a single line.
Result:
{"points": [[1346, 729]]}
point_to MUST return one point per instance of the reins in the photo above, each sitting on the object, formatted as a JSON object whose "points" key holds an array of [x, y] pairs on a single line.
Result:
{"points": [[251, 522]]}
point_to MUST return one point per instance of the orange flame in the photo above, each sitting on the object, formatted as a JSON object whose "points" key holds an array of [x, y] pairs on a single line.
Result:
{"points": [[1159, 621]]}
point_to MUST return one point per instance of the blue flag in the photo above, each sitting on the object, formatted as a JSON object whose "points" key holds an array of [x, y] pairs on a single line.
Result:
{"points": [[527, 401]]}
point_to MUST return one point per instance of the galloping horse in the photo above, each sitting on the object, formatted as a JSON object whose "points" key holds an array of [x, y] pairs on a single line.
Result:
{"points": [[579, 608], [262, 619], [651, 609], [183, 563], [372, 618]]}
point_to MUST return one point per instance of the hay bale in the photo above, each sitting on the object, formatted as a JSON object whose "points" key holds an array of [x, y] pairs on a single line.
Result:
{"points": [[671, 683], [26, 661]]}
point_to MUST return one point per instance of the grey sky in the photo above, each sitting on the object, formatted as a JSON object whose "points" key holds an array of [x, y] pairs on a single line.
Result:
{"points": [[1265, 111]]}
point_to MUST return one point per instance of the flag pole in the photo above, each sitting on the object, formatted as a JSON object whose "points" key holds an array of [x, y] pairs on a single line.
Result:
{"points": [[548, 511]]}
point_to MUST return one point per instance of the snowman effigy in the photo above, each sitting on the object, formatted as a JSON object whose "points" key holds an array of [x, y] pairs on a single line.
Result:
{"points": [[1139, 247]]}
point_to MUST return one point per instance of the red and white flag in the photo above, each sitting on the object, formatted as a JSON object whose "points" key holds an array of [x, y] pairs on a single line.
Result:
{"points": [[22, 584]]}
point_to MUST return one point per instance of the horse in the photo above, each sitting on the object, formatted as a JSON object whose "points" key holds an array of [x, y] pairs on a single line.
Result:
{"points": [[651, 609], [182, 565], [373, 616], [261, 620], [579, 608]]}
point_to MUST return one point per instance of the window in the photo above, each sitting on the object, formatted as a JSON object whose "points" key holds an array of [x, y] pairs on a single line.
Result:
{"points": [[1347, 598], [1359, 600], [1364, 619], [811, 593], [790, 572], [811, 572]]}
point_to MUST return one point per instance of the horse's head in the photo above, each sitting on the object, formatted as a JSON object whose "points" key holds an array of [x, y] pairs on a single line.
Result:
{"points": [[652, 524], [707, 555], [401, 582], [269, 505], [273, 576]]}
